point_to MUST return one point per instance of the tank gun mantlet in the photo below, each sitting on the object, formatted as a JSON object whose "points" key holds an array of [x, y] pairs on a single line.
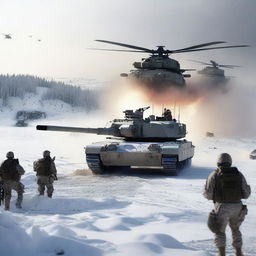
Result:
{"points": [[121, 121]]}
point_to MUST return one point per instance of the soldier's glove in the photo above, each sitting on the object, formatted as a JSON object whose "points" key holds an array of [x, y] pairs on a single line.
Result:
{"points": [[244, 211], [54, 176]]}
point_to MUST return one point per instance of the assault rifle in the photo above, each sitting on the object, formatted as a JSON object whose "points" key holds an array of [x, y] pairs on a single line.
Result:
{"points": [[1, 192], [54, 175]]}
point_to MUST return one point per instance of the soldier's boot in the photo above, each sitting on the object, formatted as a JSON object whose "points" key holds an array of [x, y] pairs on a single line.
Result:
{"points": [[7, 206], [222, 251], [239, 251], [41, 189], [50, 190], [18, 205], [19, 200]]}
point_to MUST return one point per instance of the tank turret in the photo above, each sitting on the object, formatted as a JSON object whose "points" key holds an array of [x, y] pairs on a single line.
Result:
{"points": [[134, 127], [137, 142]]}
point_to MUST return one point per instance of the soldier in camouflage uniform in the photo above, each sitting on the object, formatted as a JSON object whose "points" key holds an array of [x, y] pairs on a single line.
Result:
{"points": [[226, 186], [10, 173], [46, 173], [167, 114]]}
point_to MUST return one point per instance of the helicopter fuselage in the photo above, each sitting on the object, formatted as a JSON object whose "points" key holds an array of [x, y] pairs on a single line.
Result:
{"points": [[158, 62], [158, 70], [158, 77], [212, 71], [214, 77]]}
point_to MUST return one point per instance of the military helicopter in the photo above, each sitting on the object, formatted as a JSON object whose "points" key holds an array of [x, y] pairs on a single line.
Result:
{"points": [[158, 69], [213, 71]]}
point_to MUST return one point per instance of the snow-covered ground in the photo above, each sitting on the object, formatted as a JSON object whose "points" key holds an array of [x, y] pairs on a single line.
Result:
{"points": [[119, 213], [32, 102]]}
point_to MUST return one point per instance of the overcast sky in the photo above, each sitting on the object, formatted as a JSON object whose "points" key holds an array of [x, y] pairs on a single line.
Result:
{"points": [[68, 27]]}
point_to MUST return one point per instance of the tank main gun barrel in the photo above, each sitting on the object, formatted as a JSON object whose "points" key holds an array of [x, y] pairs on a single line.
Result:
{"points": [[99, 131]]}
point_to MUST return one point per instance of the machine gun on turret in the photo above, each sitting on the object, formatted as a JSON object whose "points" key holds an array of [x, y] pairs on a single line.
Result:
{"points": [[137, 114]]}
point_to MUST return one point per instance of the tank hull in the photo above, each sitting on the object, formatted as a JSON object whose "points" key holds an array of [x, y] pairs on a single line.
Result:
{"points": [[167, 156]]}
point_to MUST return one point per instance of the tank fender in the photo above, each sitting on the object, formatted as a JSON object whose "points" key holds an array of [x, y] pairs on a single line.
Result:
{"points": [[110, 147]]}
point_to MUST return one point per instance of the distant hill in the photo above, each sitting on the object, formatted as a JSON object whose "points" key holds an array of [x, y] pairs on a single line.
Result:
{"points": [[20, 85]]}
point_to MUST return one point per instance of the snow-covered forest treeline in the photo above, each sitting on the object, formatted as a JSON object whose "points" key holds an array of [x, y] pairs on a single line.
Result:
{"points": [[19, 85]]}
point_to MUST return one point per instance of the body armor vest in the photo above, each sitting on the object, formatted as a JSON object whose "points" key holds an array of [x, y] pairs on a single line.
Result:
{"points": [[43, 166], [228, 185], [9, 170]]}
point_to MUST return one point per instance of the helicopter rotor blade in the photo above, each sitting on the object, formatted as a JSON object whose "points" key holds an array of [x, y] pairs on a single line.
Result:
{"points": [[229, 66], [203, 63], [212, 48], [114, 50], [200, 45], [127, 45], [216, 64]]}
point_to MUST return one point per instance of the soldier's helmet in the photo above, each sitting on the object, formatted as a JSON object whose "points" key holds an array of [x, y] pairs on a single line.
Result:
{"points": [[224, 158], [10, 154], [46, 153]]}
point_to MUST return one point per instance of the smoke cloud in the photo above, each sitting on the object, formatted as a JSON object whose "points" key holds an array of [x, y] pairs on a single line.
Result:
{"points": [[229, 115], [226, 110]]}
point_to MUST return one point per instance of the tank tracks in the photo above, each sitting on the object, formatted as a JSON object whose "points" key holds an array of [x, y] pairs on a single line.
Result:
{"points": [[170, 164], [94, 163]]}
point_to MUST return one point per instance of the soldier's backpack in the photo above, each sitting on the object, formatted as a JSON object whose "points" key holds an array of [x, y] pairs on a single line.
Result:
{"points": [[43, 167], [228, 185], [9, 170]]}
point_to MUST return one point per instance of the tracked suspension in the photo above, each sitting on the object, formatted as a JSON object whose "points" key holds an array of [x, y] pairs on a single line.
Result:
{"points": [[94, 163]]}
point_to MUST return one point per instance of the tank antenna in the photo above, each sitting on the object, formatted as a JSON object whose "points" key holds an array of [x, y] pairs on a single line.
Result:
{"points": [[174, 108], [179, 114]]}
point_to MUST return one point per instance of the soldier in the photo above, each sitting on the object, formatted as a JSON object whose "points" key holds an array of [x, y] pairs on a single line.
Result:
{"points": [[10, 173], [46, 173], [226, 186], [167, 114]]}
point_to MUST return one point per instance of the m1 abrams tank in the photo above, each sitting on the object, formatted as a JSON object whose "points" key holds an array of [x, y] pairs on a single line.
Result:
{"points": [[153, 142]]}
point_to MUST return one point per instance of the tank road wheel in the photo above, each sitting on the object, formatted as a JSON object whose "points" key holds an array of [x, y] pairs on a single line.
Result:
{"points": [[94, 163], [169, 164]]}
